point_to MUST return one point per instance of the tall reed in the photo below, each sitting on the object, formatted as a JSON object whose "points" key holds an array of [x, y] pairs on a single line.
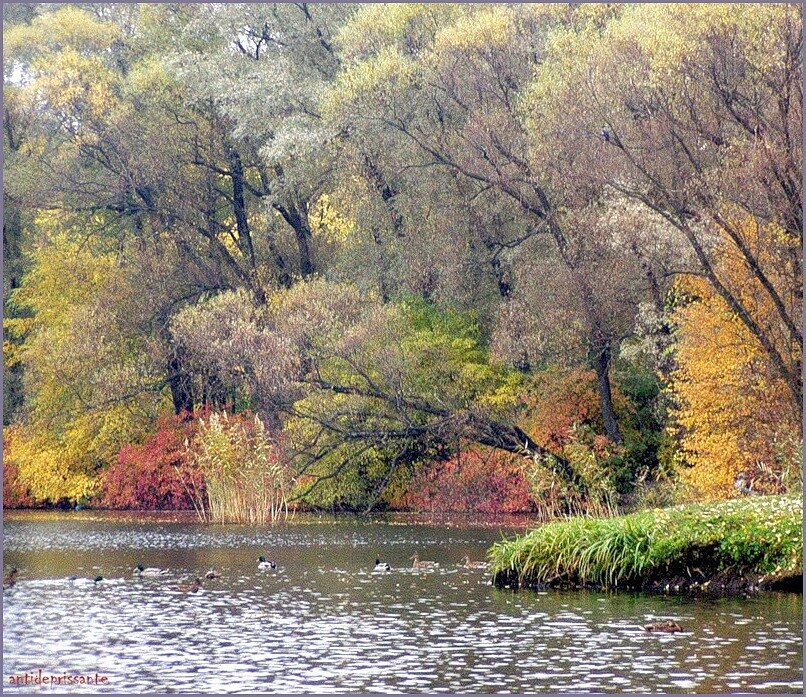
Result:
{"points": [[245, 479]]}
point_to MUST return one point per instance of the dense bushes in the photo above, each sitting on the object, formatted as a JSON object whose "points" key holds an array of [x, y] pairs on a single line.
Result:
{"points": [[477, 480], [156, 474], [15, 492], [50, 470], [226, 467]]}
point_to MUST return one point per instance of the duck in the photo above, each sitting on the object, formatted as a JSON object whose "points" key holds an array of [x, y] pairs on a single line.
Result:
{"points": [[10, 578], [668, 626], [381, 566], [192, 587], [417, 564], [467, 564], [73, 579], [211, 574], [263, 564], [150, 571]]}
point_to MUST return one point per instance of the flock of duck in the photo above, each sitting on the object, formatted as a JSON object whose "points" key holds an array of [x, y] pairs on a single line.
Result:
{"points": [[263, 564], [423, 565]]}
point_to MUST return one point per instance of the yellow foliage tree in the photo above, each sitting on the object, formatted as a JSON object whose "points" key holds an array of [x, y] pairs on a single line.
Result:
{"points": [[89, 387], [734, 414]]}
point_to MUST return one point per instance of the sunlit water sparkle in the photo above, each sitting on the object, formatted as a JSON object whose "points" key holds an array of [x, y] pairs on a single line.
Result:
{"points": [[324, 623]]}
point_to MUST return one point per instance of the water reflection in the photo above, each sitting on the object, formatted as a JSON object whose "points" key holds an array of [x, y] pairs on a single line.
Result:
{"points": [[323, 622]]}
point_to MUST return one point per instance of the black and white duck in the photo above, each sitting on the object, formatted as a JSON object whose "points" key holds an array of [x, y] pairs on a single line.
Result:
{"points": [[150, 572]]}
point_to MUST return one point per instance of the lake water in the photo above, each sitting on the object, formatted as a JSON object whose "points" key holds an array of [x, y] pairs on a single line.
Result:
{"points": [[322, 622]]}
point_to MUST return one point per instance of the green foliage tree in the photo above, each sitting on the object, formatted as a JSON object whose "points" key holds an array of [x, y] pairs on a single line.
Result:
{"points": [[380, 227]]}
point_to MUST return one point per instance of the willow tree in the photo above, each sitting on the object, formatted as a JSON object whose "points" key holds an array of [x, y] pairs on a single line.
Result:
{"points": [[696, 113], [441, 90], [258, 70]]}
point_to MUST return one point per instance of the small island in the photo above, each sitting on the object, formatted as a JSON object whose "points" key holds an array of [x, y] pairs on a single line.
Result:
{"points": [[730, 547]]}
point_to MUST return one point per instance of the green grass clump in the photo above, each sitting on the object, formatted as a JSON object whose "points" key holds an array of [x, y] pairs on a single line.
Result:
{"points": [[762, 535]]}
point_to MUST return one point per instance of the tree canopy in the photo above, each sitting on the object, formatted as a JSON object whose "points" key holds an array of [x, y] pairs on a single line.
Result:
{"points": [[394, 231]]}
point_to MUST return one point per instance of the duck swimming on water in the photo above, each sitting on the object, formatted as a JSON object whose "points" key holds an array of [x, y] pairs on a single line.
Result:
{"points": [[193, 587], [150, 571], [10, 578], [417, 564], [263, 564], [381, 566], [668, 626], [467, 564]]}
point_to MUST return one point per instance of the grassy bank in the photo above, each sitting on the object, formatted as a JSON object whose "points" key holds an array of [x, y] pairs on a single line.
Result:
{"points": [[738, 545]]}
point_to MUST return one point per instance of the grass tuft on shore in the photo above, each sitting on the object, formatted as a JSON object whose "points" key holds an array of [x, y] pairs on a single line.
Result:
{"points": [[762, 535]]}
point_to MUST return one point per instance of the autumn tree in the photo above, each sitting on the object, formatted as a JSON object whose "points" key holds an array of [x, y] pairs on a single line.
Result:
{"points": [[440, 89], [733, 414], [90, 381], [691, 112]]}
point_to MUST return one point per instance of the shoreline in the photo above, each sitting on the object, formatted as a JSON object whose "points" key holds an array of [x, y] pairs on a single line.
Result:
{"points": [[734, 547], [722, 584], [506, 521]]}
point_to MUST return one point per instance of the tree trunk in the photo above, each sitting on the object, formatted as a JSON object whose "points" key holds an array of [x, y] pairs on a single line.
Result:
{"points": [[244, 242], [601, 364], [180, 391], [383, 265], [513, 439], [303, 234], [239, 209], [387, 194]]}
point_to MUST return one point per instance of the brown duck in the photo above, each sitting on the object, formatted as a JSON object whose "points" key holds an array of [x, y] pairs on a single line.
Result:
{"points": [[467, 564], [668, 626], [193, 587], [10, 578], [417, 563]]}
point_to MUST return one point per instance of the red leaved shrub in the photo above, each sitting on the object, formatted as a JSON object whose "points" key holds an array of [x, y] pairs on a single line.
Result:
{"points": [[483, 480], [478, 480], [557, 401], [145, 475]]}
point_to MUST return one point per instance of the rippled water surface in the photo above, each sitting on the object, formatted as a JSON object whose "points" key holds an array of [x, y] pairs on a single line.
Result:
{"points": [[322, 622]]}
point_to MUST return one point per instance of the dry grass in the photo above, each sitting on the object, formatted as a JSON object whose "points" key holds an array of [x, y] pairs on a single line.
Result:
{"points": [[245, 479]]}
